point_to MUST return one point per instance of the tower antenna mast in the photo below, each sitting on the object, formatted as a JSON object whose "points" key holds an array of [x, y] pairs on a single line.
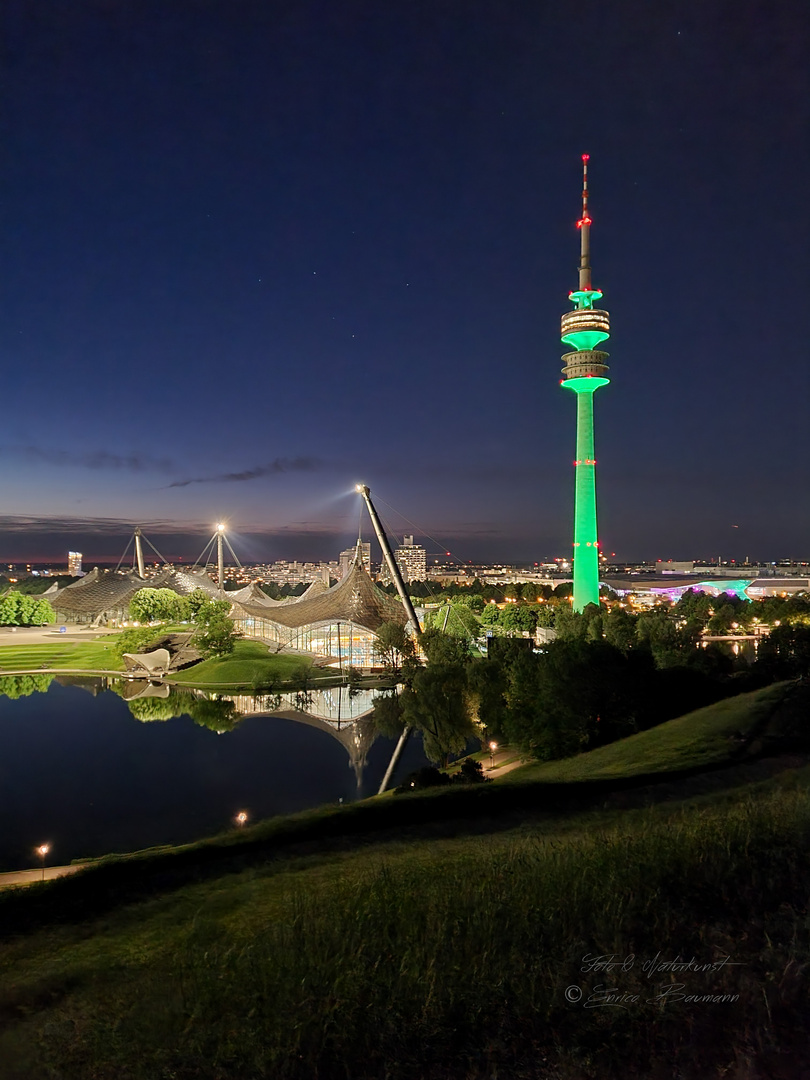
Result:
{"points": [[584, 226]]}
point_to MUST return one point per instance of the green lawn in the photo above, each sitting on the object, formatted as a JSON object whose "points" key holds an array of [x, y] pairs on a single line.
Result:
{"points": [[251, 663], [83, 655], [699, 738]]}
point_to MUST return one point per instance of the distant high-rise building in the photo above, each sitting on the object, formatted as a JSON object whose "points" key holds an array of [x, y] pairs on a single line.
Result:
{"points": [[348, 557], [75, 563], [411, 559]]}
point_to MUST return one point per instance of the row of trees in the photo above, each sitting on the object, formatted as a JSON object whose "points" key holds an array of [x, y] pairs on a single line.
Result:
{"points": [[165, 605], [530, 591], [214, 634], [670, 631], [609, 675]]}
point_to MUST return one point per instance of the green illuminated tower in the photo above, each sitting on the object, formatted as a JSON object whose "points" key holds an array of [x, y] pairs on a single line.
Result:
{"points": [[584, 372]]}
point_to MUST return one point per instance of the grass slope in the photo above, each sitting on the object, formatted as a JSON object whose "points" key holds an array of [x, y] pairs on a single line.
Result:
{"points": [[440, 959], [700, 738], [250, 663], [296, 949]]}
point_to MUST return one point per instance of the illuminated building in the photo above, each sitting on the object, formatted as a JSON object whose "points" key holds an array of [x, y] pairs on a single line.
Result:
{"points": [[339, 624], [74, 563], [411, 559], [585, 370]]}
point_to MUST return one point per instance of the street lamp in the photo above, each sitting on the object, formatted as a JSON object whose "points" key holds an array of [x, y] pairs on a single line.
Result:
{"points": [[42, 851], [241, 818], [493, 746]]}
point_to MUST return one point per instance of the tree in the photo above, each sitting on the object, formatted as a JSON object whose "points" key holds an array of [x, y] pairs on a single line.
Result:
{"points": [[43, 613], [726, 613], [143, 605], [785, 653], [147, 709], [547, 615], [657, 630], [395, 648], [17, 686], [575, 695], [218, 714], [695, 604], [388, 719], [620, 629], [22, 609], [216, 634], [517, 618], [437, 705], [444, 648], [491, 615], [487, 681], [196, 600], [475, 604], [455, 619], [216, 637], [435, 699], [569, 623]]}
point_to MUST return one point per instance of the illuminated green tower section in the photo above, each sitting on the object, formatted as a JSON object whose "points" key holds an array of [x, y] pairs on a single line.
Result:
{"points": [[584, 372]]}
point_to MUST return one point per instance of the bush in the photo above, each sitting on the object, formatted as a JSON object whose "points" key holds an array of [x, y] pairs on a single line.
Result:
{"points": [[471, 772], [426, 777]]}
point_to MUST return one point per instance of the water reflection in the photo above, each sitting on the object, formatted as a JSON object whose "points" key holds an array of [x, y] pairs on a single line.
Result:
{"points": [[80, 771], [345, 713], [18, 686]]}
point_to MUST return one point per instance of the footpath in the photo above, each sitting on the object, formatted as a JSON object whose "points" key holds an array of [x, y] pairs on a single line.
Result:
{"points": [[28, 877]]}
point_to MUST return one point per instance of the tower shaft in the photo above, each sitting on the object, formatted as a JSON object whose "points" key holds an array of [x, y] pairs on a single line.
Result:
{"points": [[586, 544]]}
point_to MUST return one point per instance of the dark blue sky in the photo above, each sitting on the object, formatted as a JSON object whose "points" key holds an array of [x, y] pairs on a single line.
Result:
{"points": [[254, 252]]}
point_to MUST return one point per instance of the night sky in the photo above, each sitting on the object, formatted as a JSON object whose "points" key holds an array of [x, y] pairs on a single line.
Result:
{"points": [[256, 252]]}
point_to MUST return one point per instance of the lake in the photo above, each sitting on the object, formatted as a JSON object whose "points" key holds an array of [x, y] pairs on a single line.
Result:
{"points": [[89, 772]]}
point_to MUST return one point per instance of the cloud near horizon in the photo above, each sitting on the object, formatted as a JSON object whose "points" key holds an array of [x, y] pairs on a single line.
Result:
{"points": [[272, 468], [92, 459]]}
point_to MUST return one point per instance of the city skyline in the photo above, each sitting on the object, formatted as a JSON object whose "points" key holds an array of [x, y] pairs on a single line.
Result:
{"points": [[257, 256]]}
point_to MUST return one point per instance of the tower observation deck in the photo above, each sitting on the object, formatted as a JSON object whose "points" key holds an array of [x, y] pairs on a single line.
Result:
{"points": [[584, 371]]}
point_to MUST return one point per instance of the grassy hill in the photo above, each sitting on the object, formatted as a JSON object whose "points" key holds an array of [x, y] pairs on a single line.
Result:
{"points": [[250, 663], [703, 737], [447, 934]]}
